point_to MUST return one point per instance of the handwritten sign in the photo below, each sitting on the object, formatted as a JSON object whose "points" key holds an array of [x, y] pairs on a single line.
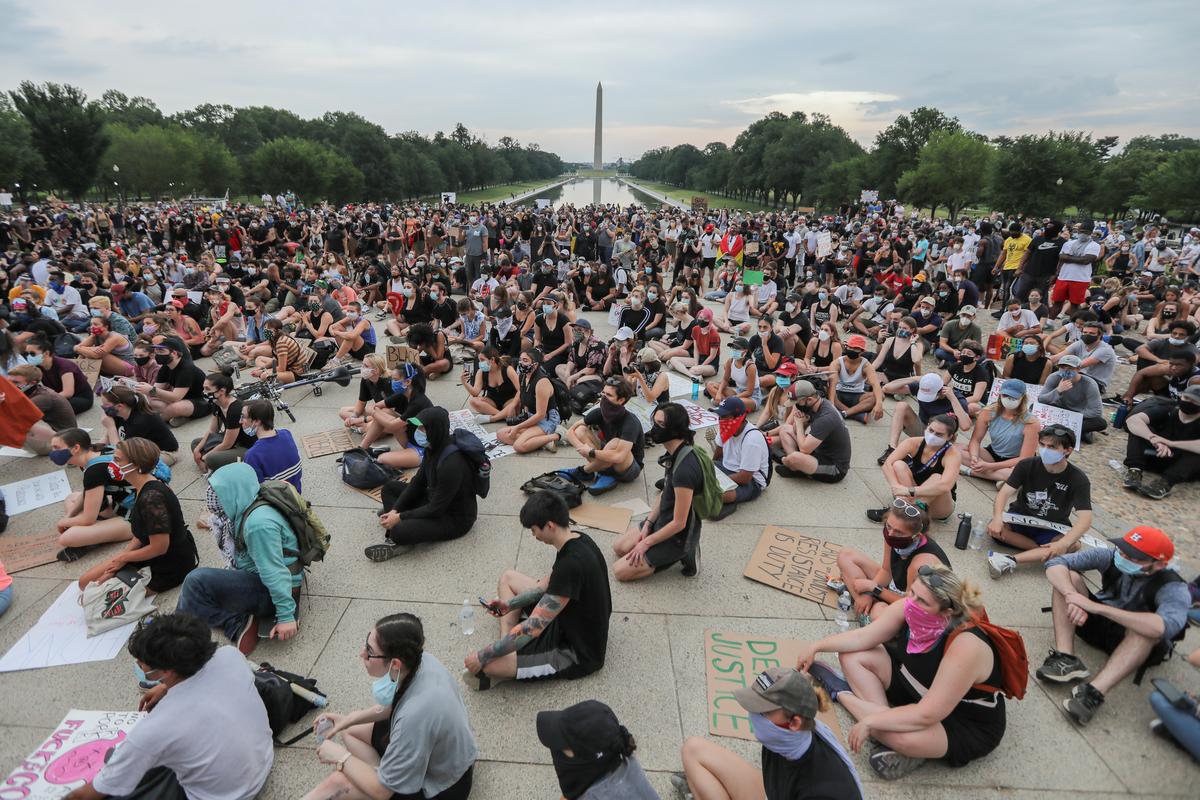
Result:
{"points": [[824, 244], [70, 756], [90, 368], [35, 492], [1047, 415], [731, 662], [465, 418], [18, 553], [795, 563], [326, 443], [698, 417], [60, 637], [397, 354]]}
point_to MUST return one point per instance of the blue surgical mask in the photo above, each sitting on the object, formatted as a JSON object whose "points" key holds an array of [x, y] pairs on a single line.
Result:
{"points": [[384, 688], [1029, 350], [250, 430], [783, 383], [547, 309], [790, 744], [485, 366], [60, 457], [34, 360], [1065, 374], [736, 354], [141, 676], [1050, 456], [399, 386], [1125, 565], [420, 438], [903, 333], [95, 312]]}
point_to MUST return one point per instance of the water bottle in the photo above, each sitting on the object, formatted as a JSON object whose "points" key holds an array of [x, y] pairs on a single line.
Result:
{"points": [[963, 537], [842, 617], [466, 618], [978, 530], [323, 727], [695, 388]]}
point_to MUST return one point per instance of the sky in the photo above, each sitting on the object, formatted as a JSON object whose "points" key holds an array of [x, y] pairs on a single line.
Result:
{"points": [[694, 72]]}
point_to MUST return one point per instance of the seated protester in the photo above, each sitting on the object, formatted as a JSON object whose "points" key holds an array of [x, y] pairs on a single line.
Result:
{"points": [[929, 322], [184, 326], [354, 334], [1012, 434], [1163, 380], [766, 348], [647, 379], [736, 319], [145, 368], [907, 548], [1175, 719], [444, 308], [592, 753], [436, 358], [1097, 358], [1074, 390], [675, 342], [795, 326], [900, 355], [918, 697], [933, 397], [565, 631], [199, 689], [779, 401], [609, 439], [1018, 322], [582, 372], [822, 350], [439, 503], [814, 438], [849, 375], [1068, 334], [373, 387], [1166, 440], [405, 400], [225, 323], [743, 453], [670, 534], [954, 333], [225, 441], [766, 295], [161, 539], [60, 374], [493, 389], [1157, 350], [97, 514], [1140, 610], [111, 349], [1044, 490], [656, 304], [827, 308], [925, 467], [313, 320], [552, 331], [57, 414], [1030, 363], [416, 741], [801, 756], [538, 422], [971, 376], [739, 377], [178, 391], [869, 318], [272, 453], [265, 580], [470, 328]]}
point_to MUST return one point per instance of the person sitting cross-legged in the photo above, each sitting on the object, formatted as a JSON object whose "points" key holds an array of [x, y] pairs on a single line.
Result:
{"points": [[1141, 607], [610, 440], [743, 453], [925, 468], [813, 438], [1164, 438]]}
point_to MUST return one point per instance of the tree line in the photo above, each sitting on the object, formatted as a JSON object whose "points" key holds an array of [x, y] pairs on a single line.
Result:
{"points": [[53, 136], [927, 159]]}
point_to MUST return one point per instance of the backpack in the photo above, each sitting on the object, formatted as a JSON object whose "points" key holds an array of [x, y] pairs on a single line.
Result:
{"points": [[569, 489], [312, 540], [1010, 649], [707, 503], [474, 450], [284, 706], [362, 471], [161, 472], [562, 397], [64, 345]]}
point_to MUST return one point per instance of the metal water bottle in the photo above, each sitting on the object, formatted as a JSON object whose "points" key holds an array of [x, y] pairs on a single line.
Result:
{"points": [[695, 388], [964, 531]]}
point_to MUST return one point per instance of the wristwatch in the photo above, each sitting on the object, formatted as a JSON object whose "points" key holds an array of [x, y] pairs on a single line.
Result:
{"points": [[877, 591], [912, 491], [592, 454], [341, 764]]}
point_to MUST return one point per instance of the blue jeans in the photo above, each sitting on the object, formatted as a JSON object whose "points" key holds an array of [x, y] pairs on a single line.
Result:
{"points": [[1184, 725], [5, 599], [715, 294], [224, 598], [944, 355]]}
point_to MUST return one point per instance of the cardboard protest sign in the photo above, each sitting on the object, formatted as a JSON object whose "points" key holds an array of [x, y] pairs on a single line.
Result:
{"points": [[18, 553], [795, 563], [598, 515], [399, 353], [71, 756], [733, 660], [326, 443], [751, 249], [90, 368]]}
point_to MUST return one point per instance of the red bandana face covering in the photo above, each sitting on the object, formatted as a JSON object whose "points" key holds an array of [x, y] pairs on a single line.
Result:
{"points": [[728, 426]]}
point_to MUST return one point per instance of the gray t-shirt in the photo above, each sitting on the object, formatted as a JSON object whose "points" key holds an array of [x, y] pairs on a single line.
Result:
{"points": [[431, 744], [476, 236], [1104, 353], [1083, 396], [626, 782], [828, 426]]}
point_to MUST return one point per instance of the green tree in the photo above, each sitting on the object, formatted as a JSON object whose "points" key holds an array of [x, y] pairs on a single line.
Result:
{"points": [[67, 130], [20, 162], [132, 112], [1174, 185], [952, 170], [217, 171], [1043, 174], [312, 170], [898, 146], [153, 160], [1121, 178]]}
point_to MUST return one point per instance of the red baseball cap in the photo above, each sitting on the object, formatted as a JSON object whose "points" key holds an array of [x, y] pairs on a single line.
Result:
{"points": [[1146, 542], [857, 342], [788, 369]]}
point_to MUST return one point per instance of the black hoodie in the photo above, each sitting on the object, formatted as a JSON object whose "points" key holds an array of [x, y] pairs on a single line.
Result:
{"points": [[441, 488]]}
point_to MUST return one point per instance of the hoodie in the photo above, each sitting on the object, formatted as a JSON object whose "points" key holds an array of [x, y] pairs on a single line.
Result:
{"points": [[440, 490], [267, 535]]}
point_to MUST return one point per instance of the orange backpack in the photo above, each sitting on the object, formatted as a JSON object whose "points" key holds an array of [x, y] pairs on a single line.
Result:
{"points": [[1010, 648]]}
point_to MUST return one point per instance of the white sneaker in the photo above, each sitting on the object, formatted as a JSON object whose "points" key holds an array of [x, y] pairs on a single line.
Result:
{"points": [[483, 419], [999, 564]]}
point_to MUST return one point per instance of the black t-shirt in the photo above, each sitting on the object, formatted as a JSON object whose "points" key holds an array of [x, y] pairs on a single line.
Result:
{"points": [[964, 382], [580, 573], [684, 473], [148, 426], [184, 376], [774, 344], [114, 490], [1164, 420], [231, 420], [371, 390], [1049, 496], [627, 428], [819, 774], [1043, 256]]}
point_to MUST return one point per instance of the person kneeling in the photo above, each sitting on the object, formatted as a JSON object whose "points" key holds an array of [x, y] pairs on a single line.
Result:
{"points": [[1141, 607], [610, 439]]}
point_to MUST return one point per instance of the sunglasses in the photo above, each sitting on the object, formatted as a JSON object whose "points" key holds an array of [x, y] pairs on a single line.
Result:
{"points": [[908, 509], [931, 577]]}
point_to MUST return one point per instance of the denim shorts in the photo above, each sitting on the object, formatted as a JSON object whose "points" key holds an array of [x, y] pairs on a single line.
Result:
{"points": [[552, 421]]}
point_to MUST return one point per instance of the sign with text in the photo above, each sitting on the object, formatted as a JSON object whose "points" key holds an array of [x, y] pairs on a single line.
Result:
{"points": [[71, 756], [734, 660], [698, 417], [399, 353], [36, 492], [796, 563], [824, 244], [18, 553], [326, 443], [90, 368], [1047, 415]]}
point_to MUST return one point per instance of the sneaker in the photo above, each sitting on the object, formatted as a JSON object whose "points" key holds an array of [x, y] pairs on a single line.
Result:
{"points": [[1155, 488], [999, 564], [602, 484], [1084, 702], [382, 551], [1133, 478], [483, 419], [70, 554], [784, 471], [890, 765], [680, 785], [247, 638], [691, 564], [575, 474], [877, 514], [828, 678], [1062, 668], [1088, 437], [887, 451]]}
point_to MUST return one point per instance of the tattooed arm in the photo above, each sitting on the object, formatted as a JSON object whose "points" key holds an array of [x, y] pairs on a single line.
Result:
{"points": [[548, 608]]}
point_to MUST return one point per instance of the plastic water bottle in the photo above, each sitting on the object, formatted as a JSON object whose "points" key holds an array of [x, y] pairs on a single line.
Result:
{"points": [[842, 617], [695, 388], [466, 618], [323, 727], [978, 530]]}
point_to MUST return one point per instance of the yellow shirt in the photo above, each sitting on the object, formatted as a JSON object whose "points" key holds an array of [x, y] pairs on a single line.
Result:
{"points": [[1014, 250]]}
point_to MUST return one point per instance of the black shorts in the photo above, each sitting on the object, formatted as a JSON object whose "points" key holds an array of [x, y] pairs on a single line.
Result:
{"points": [[1104, 634], [200, 408], [362, 352], [827, 472], [548, 657]]}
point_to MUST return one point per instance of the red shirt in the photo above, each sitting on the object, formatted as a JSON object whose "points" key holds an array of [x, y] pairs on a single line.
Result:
{"points": [[896, 282], [705, 342]]}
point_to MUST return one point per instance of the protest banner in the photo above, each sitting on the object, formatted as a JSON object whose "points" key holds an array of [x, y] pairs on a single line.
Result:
{"points": [[326, 443], [18, 553], [1047, 415], [71, 756], [602, 517], [31, 493], [60, 637], [752, 277], [734, 660], [698, 417], [795, 563]]}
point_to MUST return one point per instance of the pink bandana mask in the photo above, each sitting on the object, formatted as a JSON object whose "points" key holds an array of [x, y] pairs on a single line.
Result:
{"points": [[924, 627]]}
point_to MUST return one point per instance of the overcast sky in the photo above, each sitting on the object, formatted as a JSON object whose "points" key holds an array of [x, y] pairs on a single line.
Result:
{"points": [[672, 72]]}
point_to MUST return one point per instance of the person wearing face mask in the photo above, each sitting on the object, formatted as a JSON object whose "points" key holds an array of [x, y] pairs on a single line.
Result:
{"points": [[953, 334], [1018, 322], [609, 439], [593, 754], [1136, 617], [493, 388], [373, 387], [1179, 334], [801, 756], [1164, 438], [1097, 358], [225, 441], [931, 694], [98, 513], [57, 414], [848, 379], [741, 451], [813, 438], [538, 421], [178, 391], [475, 235], [354, 334], [1030, 363], [1011, 430], [111, 349], [272, 453], [1074, 273], [900, 355], [161, 539], [1044, 490], [416, 741], [1072, 389], [869, 318], [971, 376], [60, 374]]}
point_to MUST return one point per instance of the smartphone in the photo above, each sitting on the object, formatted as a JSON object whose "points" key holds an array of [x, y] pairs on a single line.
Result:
{"points": [[485, 604], [265, 626], [1172, 693]]}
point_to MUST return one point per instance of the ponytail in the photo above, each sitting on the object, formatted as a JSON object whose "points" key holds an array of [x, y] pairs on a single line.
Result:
{"points": [[402, 636]]}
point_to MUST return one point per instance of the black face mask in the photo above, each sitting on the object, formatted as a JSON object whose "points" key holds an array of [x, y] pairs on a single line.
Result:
{"points": [[853, 354], [576, 774], [141, 361], [1089, 338], [163, 358], [1188, 408]]}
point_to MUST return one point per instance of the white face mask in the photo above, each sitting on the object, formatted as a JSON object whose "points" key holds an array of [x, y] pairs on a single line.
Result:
{"points": [[1010, 402], [823, 336], [933, 440]]}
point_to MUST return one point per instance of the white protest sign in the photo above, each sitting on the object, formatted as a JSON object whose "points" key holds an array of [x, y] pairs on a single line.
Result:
{"points": [[60, 637], [36, 492], [698, 417], [824, 244], [465, 418], [681, 386], [449, 197], [1047, 415], [868, 196], [71, 756]]}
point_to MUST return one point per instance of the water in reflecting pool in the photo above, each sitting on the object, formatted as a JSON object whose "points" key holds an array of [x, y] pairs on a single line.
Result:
{"points": [[582, 191]]}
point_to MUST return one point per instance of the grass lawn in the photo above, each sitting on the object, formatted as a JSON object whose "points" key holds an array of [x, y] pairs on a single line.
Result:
{"points": [[714, 201]]}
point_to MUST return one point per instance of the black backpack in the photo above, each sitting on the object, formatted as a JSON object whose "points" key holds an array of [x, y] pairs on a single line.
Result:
{"points": [[569, 489], [562, 397], [362, 471], [283, 705], [474, 450]]}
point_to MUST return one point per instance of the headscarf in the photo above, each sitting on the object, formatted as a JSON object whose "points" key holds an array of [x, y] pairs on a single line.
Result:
{"points": [[222, 528]]}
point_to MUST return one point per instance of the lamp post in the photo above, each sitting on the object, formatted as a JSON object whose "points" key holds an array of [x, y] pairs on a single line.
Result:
{"points": [[116, 172]]}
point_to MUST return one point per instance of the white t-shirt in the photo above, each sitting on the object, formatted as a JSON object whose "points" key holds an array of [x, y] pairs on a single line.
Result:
{"points": [[68, 299], [1025, 320], [958, 261], [1078, 272], [970, 243], [211, 730], [848, 294], [748, 451], [794, 240], [708, 245]]}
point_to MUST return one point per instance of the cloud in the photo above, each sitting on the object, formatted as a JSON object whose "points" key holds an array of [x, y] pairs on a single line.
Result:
{"points": [[841, 57], [861, 113]]}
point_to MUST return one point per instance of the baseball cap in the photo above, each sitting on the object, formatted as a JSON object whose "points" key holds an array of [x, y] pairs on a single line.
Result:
{"points": [[926, 301], [857, 342], [967, 311], [582, 323], [788, 369], [931, 384], [456, 260], [920, 276], [647, 355], [585, 728], [1191, 393], [803, 389], [731, 407], [779, 687], [624, 333], [1070, 361], [1145, 542], [549, 262], [1013, 387], [740, 343]]}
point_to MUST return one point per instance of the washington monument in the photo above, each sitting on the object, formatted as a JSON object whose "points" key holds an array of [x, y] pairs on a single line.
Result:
{"points": [[598, 157]]}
